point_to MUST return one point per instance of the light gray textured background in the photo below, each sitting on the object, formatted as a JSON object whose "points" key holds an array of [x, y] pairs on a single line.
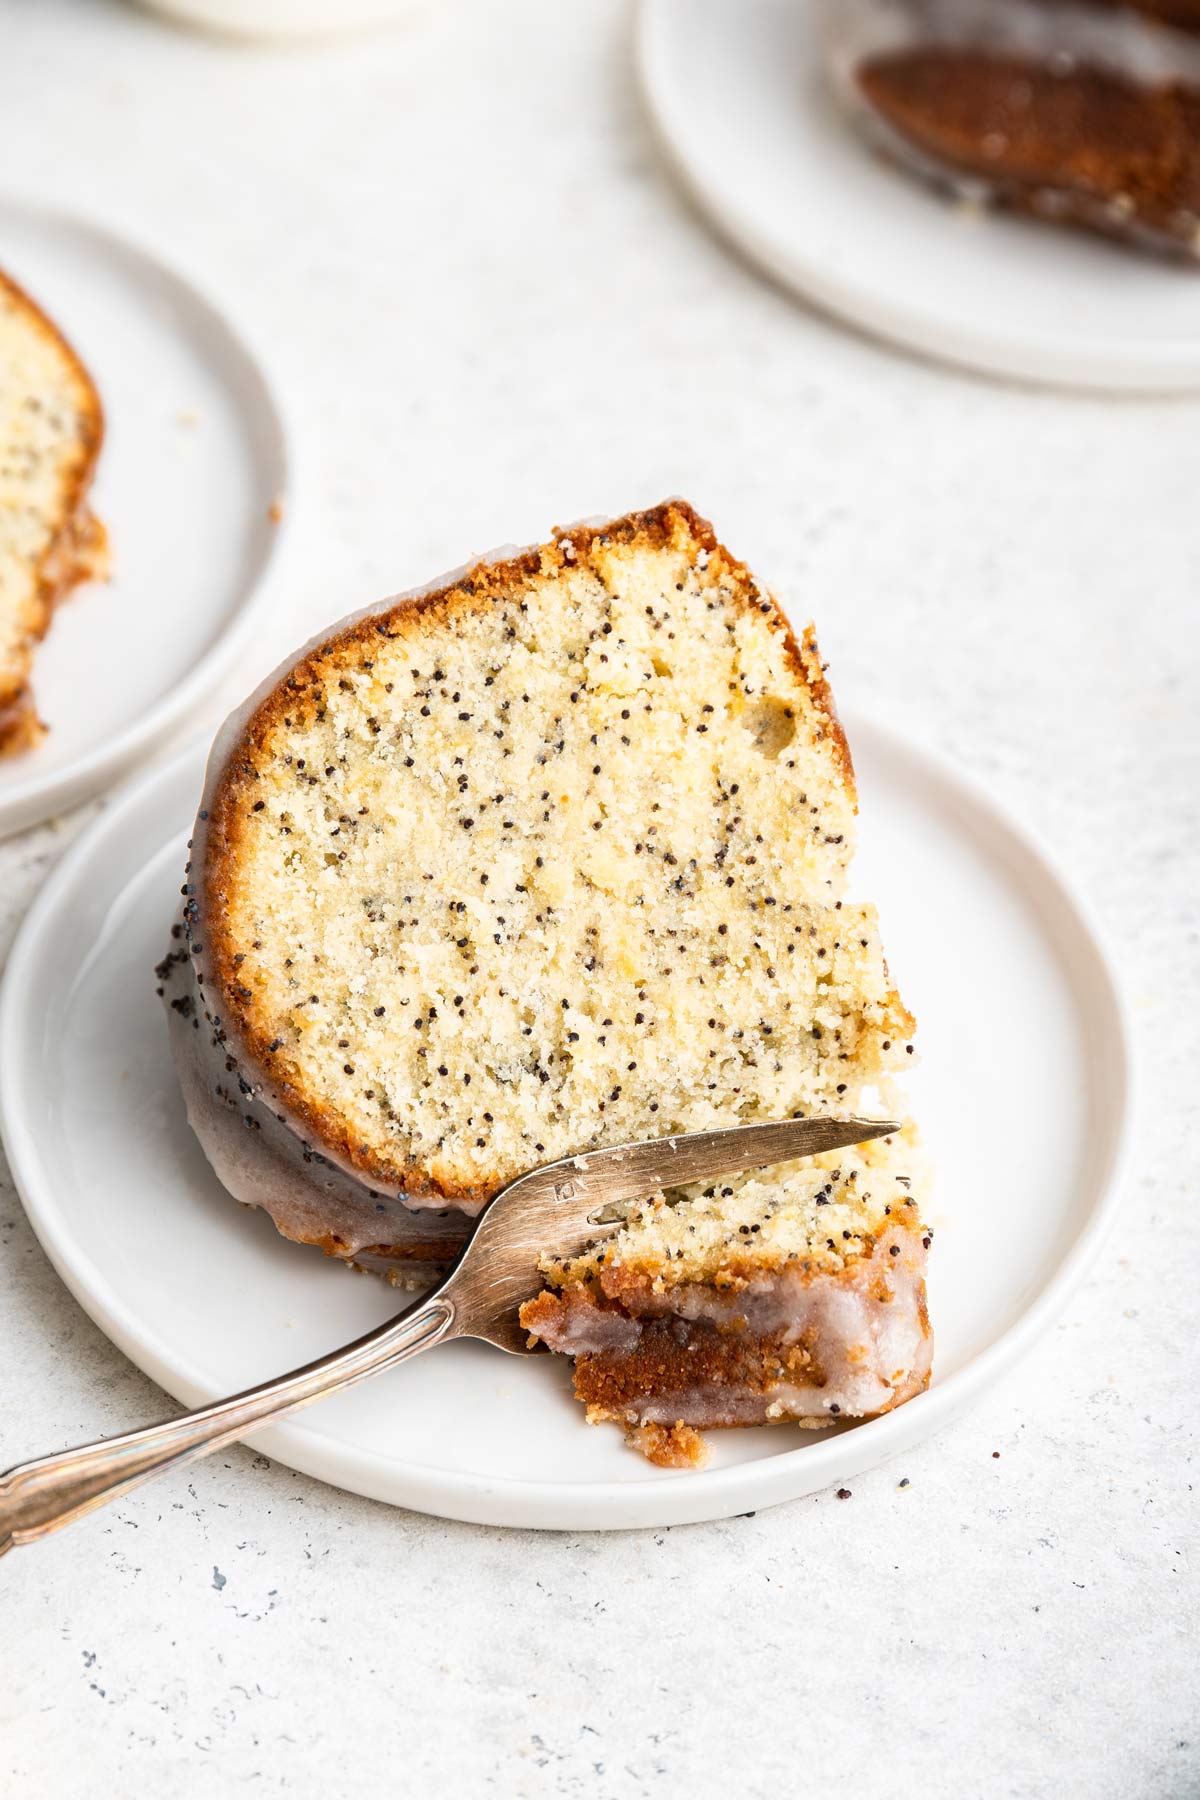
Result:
{"points": [[491, 310]]}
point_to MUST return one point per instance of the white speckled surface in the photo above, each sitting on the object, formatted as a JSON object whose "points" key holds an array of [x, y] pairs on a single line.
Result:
{"points": [[492, 311]]}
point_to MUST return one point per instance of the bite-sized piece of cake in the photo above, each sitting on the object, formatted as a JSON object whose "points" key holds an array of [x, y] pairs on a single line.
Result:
{"points": [[1086, 113], [51, 426], [549, 856], [798, 1295]]}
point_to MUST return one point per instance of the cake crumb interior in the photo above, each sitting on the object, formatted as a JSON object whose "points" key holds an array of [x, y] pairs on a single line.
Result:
{"points": [[560, 866]]}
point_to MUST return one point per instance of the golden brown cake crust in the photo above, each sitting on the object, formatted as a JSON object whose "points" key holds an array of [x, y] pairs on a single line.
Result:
{"points": [[251, 1034], [20, 727], [678, 1446], [78, 545]]}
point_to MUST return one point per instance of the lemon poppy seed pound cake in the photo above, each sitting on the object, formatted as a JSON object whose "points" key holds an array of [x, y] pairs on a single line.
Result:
{"points": [[51, 426], [551, 855], [1085, 112]]}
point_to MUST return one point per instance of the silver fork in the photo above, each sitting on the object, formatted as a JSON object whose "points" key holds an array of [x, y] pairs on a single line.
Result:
{"points": [[554, 1209]]}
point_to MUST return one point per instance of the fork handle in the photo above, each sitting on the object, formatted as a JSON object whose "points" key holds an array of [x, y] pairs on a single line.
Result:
{"points": [[37, 1497]]}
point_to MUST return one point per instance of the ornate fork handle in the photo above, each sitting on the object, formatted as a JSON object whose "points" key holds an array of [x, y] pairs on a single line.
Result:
{"points": [[37, 1497]]}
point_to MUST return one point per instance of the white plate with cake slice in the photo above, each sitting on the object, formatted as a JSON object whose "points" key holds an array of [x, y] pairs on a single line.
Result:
{"points": [[1022, 1089], [190, 487], [742, 104]]}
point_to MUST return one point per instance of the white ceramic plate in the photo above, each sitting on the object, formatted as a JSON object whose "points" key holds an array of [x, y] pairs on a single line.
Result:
{"points": [[282, 18], [736, 91], [194, 458], [1022, 1090]]}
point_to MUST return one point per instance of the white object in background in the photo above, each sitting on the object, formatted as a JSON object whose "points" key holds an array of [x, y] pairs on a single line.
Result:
{"points": [[191, 487], [1022, 1093], [780, 169], [281, 18]]}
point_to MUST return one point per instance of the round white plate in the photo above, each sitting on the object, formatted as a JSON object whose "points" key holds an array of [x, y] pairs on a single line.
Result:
{"points": [[736, 90], [281, 18], [193, 463], [1021, 1089]]}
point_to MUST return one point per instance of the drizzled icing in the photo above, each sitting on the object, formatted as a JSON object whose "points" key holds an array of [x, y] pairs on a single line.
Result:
{"points": [[865, 1330]]}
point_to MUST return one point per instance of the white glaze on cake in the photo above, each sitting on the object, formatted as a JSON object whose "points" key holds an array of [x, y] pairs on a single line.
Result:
{"points": [[865, 1327]]}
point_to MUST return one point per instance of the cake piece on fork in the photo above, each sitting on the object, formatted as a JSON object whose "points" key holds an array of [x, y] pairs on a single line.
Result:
{"points": [[796, 1295]]}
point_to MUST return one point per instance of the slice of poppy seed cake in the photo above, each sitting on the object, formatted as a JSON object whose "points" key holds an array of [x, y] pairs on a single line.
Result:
{"points": [[796, 1295], [51, 426], [550, 855]]}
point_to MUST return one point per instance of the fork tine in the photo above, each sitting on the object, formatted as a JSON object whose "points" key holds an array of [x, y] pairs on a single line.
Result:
{"points": [[551, 1210], [625, 1172]]}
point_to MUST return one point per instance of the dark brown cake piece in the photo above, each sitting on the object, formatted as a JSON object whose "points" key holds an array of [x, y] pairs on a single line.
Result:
{"points": [[1085, 114], [1066, 143], [1183, 14]]}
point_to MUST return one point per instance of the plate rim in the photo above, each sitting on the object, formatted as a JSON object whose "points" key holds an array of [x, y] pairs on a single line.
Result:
{"points": [[661, 1500], [1171, 367], [31, 801]]}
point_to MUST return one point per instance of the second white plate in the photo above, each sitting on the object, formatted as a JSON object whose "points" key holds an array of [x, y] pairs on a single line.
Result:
{"points": [[736, 90], [1021, 1091], [190, 486]]}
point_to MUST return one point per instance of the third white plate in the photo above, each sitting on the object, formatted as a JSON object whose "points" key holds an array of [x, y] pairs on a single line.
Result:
{"points": [[736, 90]]}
